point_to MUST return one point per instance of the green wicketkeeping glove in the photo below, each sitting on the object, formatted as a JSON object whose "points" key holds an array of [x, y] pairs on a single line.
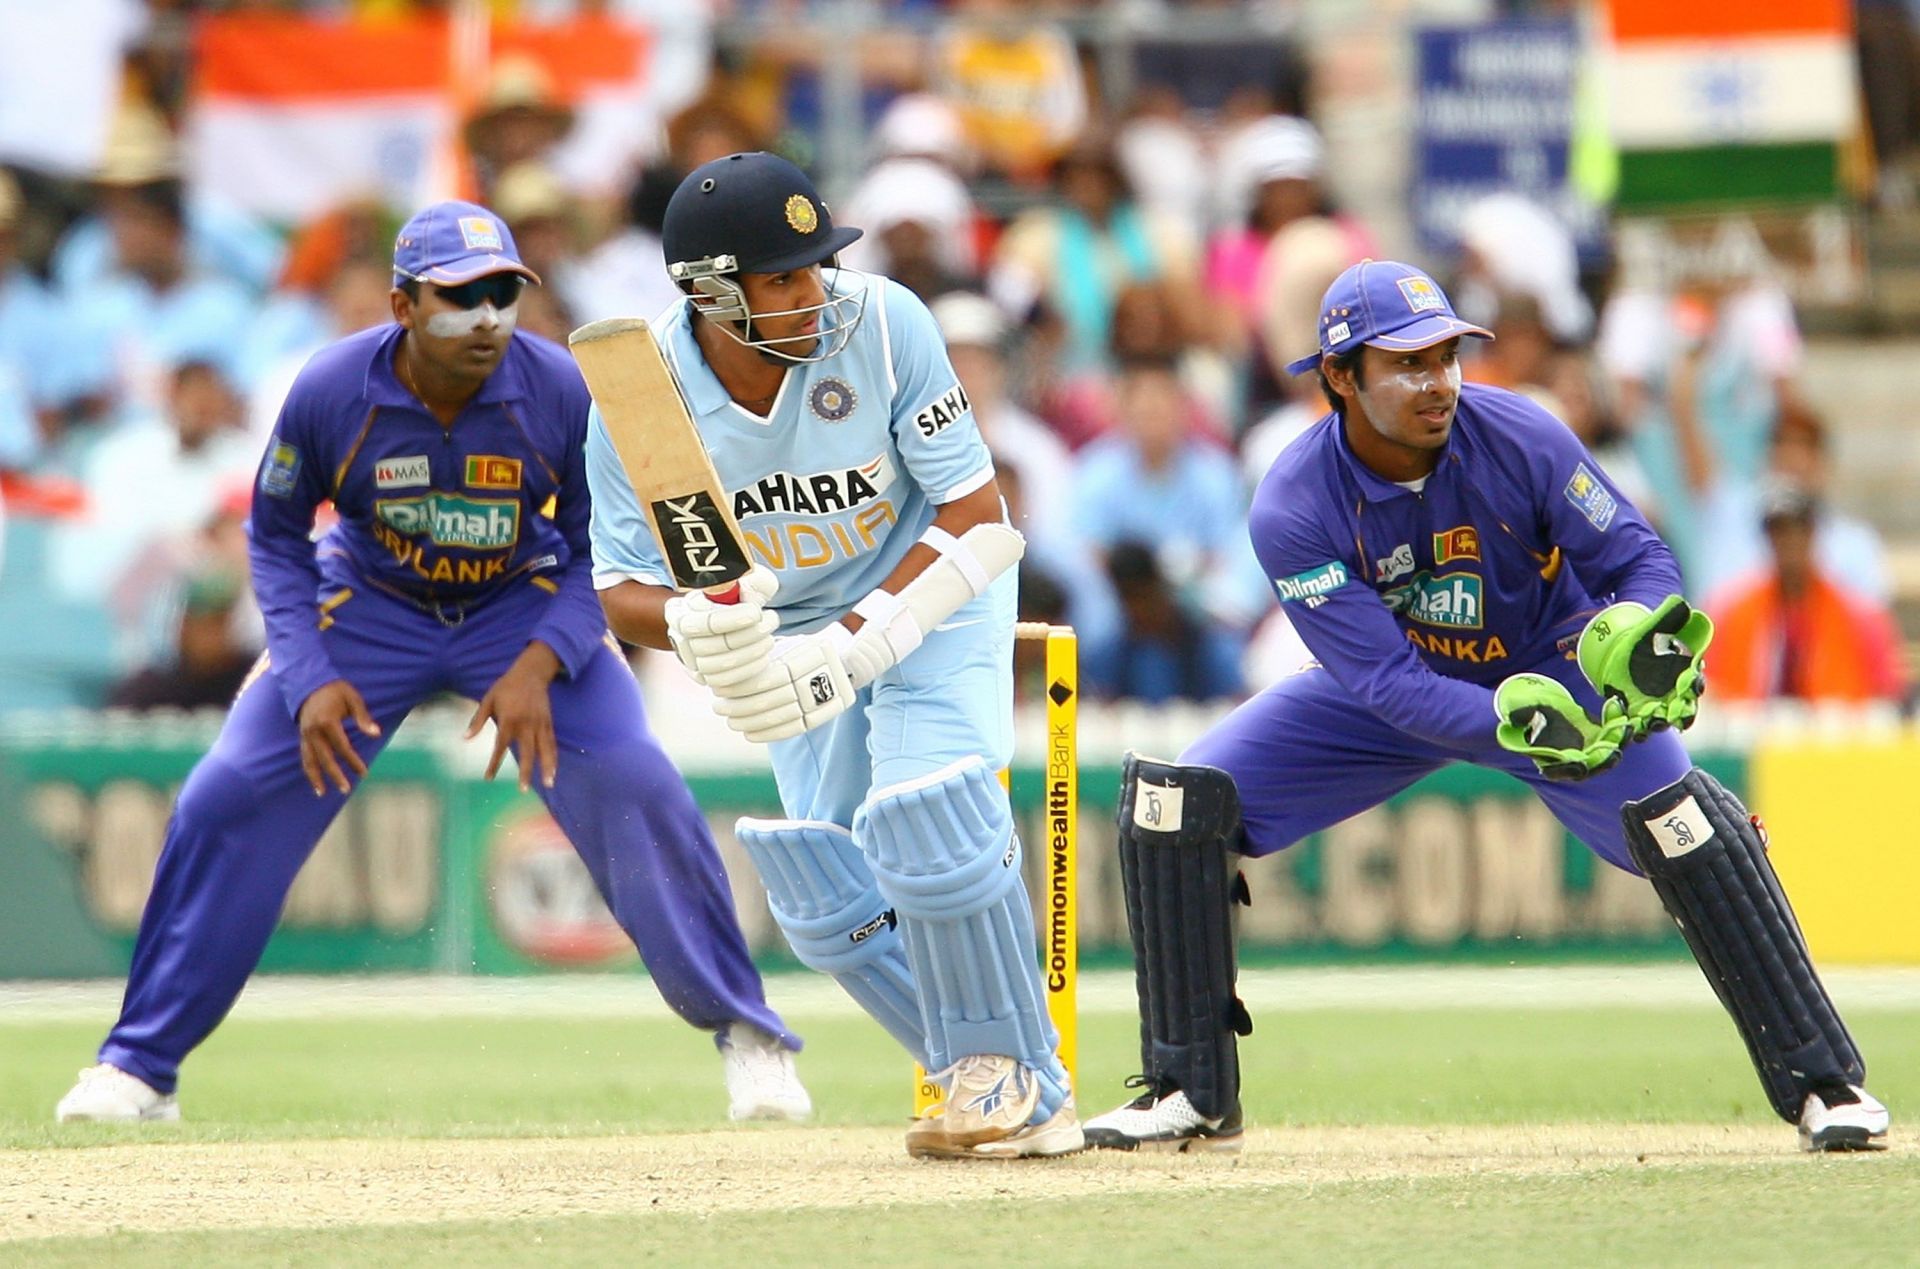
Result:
{"points": [[1540, 718], [1650, 662]]}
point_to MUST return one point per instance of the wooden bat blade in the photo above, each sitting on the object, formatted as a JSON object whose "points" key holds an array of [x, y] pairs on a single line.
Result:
{"points": [[662, 453]]}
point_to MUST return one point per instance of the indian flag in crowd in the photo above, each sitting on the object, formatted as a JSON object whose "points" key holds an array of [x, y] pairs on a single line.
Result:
{"points": [[1728, 101], [292, 116]]}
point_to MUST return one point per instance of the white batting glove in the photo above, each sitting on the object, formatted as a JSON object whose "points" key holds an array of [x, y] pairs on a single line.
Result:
{"points": [[804, 685], [725, 644]]}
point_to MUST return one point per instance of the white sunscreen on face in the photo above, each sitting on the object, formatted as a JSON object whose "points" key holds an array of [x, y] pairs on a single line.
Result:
{"points": [[465, 321]]}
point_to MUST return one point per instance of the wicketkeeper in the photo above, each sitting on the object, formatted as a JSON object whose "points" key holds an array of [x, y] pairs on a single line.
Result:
{"points": [[1474, 589]]}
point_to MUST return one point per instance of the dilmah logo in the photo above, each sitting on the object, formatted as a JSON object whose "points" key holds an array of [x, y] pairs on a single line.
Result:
{"points": [[821, 685]]}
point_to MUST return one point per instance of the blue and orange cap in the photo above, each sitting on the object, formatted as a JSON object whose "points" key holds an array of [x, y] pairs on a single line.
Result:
{"points": [[454, 242], [1386, 304]]}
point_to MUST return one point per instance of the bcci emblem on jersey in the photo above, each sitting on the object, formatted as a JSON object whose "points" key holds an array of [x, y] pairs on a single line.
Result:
{"points": [[832, 399]]}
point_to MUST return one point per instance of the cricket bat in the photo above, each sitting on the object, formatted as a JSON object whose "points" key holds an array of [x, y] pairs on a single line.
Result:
{"points": [[665, 460]]}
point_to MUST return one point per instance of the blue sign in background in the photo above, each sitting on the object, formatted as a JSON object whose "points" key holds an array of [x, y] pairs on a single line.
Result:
{"points": [[1494, 111]]}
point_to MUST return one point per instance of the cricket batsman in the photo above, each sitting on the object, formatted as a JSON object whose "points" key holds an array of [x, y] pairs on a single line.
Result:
{"points": [[1473, 588], [872, 647], [452, 447]]}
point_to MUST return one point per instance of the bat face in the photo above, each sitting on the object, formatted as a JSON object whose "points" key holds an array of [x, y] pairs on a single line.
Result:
{"points": [[662, 453]]}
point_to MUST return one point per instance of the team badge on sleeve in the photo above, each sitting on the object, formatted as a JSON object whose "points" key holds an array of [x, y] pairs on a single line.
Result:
{"points": [[278, 473], [1585, 491], [832, 399]]}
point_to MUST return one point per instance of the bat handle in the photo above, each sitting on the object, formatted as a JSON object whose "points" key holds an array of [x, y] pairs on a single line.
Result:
{"points": [[728, 594]]}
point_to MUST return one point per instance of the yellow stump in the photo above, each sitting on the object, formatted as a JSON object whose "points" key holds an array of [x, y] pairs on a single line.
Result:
{"points": [[1059, 920]]}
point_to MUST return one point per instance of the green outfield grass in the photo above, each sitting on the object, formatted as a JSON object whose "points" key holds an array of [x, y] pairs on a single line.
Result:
{"points": [[382, 1078]]}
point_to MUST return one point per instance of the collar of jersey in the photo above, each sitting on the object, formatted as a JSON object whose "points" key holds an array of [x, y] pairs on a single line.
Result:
{"points": [[506, 383], [1373, 486]]}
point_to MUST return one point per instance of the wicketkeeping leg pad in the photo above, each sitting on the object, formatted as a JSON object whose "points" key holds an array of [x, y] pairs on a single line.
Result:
{"points": [[946, 857], [1177, 826], [822, 893], [1708, 862]]}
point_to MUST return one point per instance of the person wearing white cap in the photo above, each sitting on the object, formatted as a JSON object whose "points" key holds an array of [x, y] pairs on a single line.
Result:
{"points": [[920, 224]]}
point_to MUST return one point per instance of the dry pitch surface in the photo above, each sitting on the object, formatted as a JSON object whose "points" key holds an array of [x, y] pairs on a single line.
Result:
{"points": [[325, 1184]]}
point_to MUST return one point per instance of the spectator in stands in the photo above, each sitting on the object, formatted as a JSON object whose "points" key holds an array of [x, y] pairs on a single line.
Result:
{"points": [[1269, 178], [209, 661], [1159, 652], [626, 275], [1791, 631], [154, 309], [1846, 548], [1300, 263], [520, 119], [976, 334], [1151, 480], [1512, 248], [544, 218], [151, 486], [1217, 70], [142, 153], [1016, 83], [296, 324], [28, 320], [919, 222], [1075, 255], [1716, 359]]}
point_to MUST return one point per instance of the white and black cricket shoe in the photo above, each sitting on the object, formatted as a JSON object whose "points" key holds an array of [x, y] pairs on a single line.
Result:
{"points": [[1837, 1117], [1163, 1119]]}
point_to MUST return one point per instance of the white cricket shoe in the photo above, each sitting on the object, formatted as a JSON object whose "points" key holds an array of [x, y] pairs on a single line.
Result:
{"points": [[1158, 1120], [1842, 1117], [989, 1096], [762, 1082], [1059, 1134], [107, 1094]]}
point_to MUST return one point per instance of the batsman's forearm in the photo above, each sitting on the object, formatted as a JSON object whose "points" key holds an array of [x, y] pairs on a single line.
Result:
{"points": [[638, 613]]}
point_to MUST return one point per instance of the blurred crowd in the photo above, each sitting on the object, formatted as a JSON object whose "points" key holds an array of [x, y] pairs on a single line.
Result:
{"points": [[1120, 282]]}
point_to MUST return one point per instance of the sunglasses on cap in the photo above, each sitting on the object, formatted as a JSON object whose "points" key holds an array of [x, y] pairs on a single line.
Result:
{"points": [[502, 289]]}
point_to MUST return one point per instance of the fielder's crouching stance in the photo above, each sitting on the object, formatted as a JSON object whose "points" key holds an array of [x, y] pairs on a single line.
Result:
{"points": [[861, 483], [1474, 589]]}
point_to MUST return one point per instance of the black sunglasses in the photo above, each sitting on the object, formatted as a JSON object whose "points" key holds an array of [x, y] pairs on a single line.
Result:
{"points": [[501, 288]]}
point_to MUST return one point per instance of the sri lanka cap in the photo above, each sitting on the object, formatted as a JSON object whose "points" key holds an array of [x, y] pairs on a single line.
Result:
{"points": [[1386, 304]]}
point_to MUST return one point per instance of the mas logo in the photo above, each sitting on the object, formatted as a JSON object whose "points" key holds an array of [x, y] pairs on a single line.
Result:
{"points": [[1585, 491], [402, 473], [490, 471], [1315, 583], [1462, 543], [1422, 295], [1395, 566], [482, 524], [479, 233], [1452, 601]]}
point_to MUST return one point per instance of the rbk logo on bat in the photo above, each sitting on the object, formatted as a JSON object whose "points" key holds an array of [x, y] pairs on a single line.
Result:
{"points": [[700, 549]]}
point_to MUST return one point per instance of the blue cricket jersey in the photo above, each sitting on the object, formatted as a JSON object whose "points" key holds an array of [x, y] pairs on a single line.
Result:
{"points": [[444, 517], [1419, 602], [840, 478]]}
